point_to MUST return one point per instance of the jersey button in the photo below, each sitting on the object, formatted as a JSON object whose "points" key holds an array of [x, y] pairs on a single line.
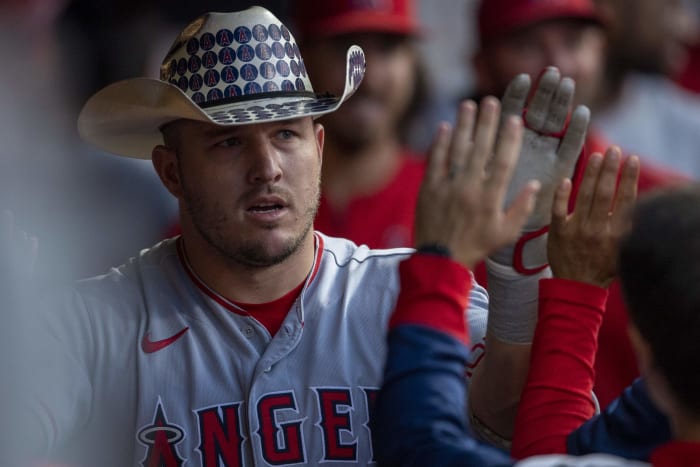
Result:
{"points": [[248, 332]]}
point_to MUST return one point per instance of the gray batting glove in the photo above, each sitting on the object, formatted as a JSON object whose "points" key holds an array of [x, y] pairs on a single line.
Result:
{"points": [[549, 153]]}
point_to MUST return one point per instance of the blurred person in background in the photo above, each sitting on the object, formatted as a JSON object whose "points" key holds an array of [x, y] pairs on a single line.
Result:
{"points": [[370, 181], [522, 36], [81, 212], [25, 33], [87, 211], [370, 176], [638, 104]]}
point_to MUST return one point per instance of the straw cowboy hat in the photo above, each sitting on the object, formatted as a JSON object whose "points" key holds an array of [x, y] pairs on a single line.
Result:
{"points": [[225, 68]]}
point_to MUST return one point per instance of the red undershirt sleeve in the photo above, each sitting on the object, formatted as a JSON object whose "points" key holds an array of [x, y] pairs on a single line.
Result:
{"points": [[557, 395], [434, 293]]}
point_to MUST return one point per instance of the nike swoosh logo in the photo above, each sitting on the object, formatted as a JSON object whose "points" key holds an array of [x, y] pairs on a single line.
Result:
{"points": [[149, 346]]}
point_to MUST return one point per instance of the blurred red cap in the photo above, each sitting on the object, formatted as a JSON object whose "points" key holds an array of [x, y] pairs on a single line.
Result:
{"points": [[323, 18], [500, 17]]}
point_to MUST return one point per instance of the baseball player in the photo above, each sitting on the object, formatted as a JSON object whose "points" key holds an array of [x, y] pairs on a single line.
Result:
{"points": [[249, 339], [370, 177]]}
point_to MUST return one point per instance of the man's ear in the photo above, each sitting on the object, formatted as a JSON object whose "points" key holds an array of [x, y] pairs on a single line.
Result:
{"points": [[320, 133], [167, 166]]}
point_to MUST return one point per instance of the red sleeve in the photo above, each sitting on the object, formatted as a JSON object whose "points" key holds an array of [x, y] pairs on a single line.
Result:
{"points": [[434, 293], [557, 395]]}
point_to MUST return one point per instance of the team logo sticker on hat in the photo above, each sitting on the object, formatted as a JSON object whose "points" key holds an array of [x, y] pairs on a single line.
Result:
{"points": [[225, 68]]}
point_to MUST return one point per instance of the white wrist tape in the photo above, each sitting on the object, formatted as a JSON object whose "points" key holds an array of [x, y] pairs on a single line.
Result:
{"points": [[513, 302]]}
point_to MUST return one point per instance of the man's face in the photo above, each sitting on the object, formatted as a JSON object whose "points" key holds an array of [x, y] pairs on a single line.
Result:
{"points": [[386, 90], [576, 48], [251, 191]]}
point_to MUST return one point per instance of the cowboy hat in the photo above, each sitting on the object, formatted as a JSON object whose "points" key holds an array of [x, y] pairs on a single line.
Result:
{"points": [[225, 68]]}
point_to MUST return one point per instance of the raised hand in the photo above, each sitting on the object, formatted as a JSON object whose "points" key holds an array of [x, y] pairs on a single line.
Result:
{"points": [[551, 146], [460, 204], [582, 245]]}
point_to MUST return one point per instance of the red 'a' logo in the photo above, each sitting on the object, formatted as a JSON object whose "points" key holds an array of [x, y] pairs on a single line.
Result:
{"points": [[160, 439]]}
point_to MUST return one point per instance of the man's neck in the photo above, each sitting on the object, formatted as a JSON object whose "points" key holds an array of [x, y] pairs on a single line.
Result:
{"points": [[247, 284], [347, 175]]}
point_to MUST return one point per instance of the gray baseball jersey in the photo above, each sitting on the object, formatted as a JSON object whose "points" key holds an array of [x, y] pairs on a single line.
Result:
{"points": [[148, 366]]}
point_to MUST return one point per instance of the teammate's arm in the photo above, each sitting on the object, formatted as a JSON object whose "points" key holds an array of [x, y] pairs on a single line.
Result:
{"points": [[551, 146], [582, 253], [420, 414]]}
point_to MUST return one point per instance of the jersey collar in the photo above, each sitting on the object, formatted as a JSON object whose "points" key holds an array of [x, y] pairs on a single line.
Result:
{"points": [[228, 304]]}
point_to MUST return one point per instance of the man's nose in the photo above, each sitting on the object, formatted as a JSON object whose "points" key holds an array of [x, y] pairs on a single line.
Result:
{"points": [[264, 164]]}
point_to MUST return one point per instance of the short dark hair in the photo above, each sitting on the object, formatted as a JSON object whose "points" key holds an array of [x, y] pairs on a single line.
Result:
{"points": [[659, 269]]}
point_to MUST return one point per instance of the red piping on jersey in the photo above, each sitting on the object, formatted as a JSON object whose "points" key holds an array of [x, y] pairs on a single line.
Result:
{"points": [[223, 301], [317, 261]]}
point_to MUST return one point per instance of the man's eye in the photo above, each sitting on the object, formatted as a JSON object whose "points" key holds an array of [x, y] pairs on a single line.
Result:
{"points": [[286, 134], [229, 142]]}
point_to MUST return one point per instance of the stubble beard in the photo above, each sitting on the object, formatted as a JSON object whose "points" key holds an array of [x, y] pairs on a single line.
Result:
{"points": [[211, 221]]}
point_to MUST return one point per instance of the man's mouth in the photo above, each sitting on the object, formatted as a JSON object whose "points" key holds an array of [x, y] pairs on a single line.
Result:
{"points": [[266, 207]]}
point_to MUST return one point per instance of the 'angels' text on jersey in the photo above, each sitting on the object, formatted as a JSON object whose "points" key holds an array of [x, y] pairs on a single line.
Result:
{"points": [[223, 430]]}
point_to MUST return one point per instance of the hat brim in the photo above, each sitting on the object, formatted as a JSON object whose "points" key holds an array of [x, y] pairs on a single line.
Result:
{"points": [[126, 117]]}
